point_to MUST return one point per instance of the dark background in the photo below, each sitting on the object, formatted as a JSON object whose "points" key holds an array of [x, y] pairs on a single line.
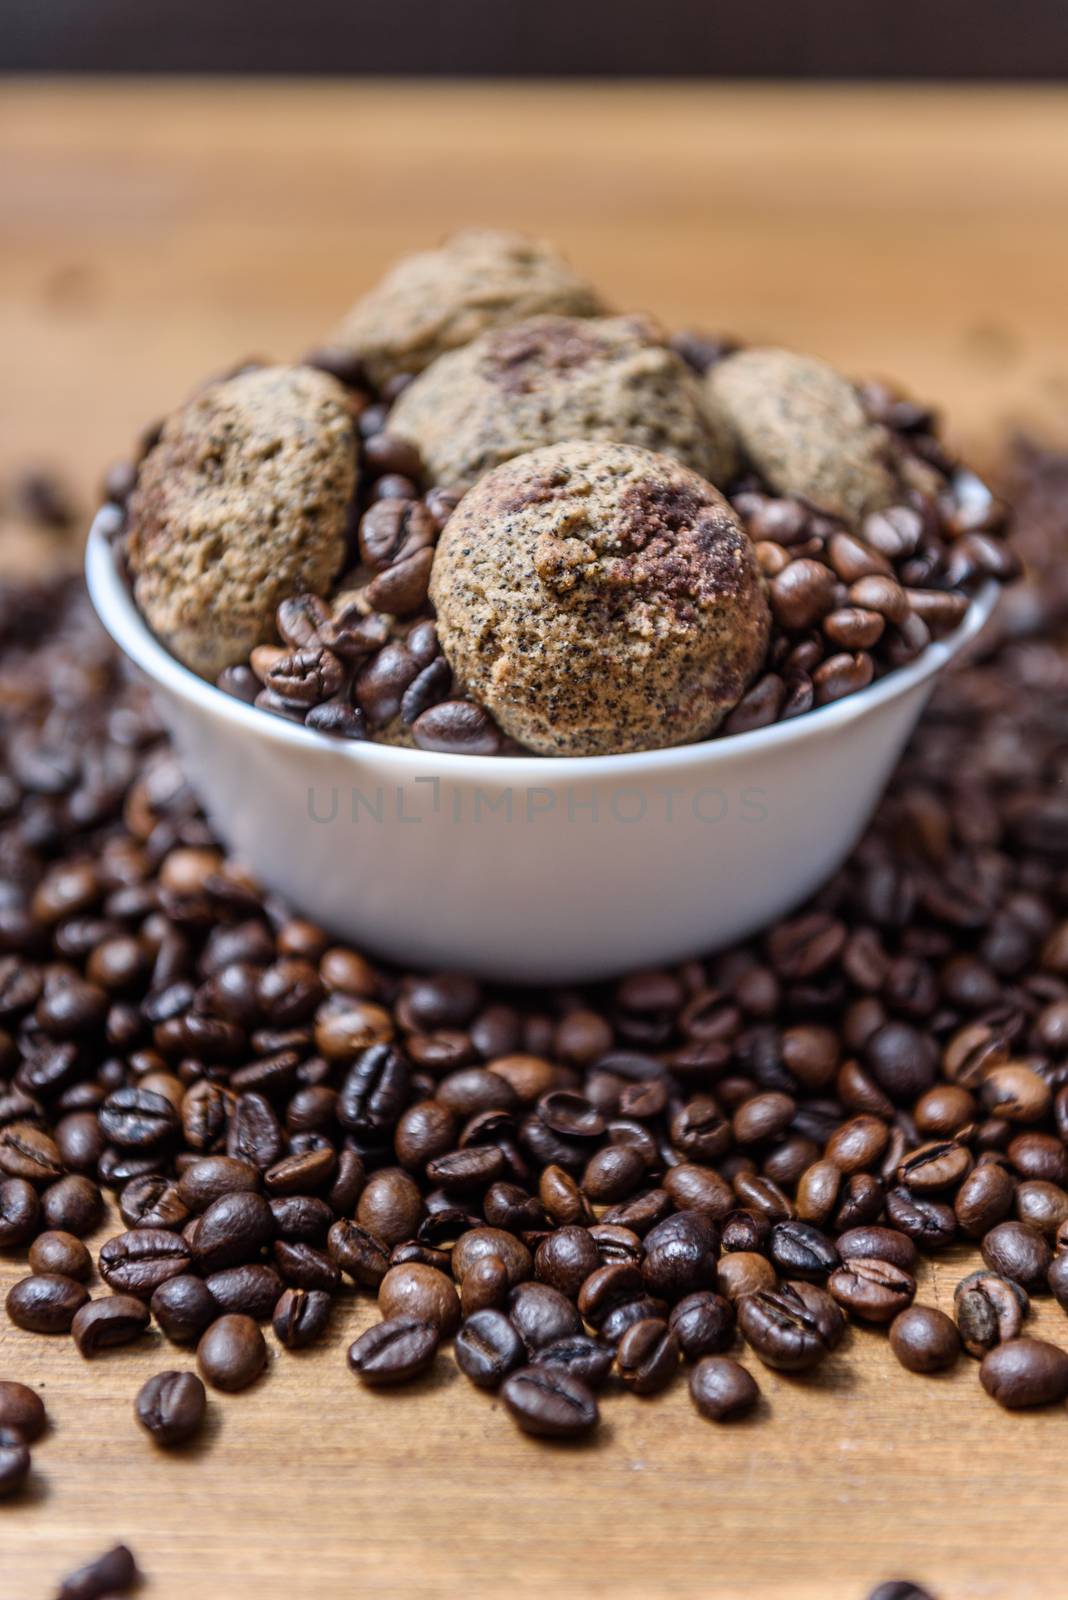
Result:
{"points": [[978, 39]]}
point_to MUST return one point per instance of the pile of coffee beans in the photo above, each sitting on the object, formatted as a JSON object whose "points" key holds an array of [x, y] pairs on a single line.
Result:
{"points": [[848, 605], [572, 1188]]}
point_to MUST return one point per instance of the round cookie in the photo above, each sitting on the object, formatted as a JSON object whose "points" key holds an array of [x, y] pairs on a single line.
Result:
{"points": [[799, 423], [597, 597], [440, 299], [550, 379], [244, 500]]}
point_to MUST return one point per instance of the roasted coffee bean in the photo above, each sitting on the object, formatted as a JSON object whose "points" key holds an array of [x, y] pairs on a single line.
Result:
{"points": [[647, 1356], [1041, 1205], [72, 1205], [390, 1206], [744, 1272], [300, 1317], [45, 1303], [394, 1351], [62, 1253], [251, 1290], [138, 1119], [542, 1314], [873, 1290], [983, 1200], [703, 1323], [924, 1339], [112, 1574], [22, 1410], [549, 1402], [1025, 1372], [782, 1329], [566, 1258], [929, 1223], [14, 1461], [488, 1347], [206, 1180], [359, 1253], [884, 1244], [232, 1231], [20, 1213], [184, 1307], [800, 1250], [1018, 1251], [305, 1267], [153, 1202], [170, 1407], [989, 1310], [474, 1243], [417, 1293], [722, 1389], [677, 1266], [232, 1353], [138, 1262], [29, 1153], [588, 1359], [102, 1324]]}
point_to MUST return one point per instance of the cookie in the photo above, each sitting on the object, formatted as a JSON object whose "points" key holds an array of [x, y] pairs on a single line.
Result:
{"points": [[598, 597]]}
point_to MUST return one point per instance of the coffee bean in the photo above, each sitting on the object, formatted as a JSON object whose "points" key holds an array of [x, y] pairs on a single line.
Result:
{"points": [[232, 1231], [62, 1253], [300, 1317], [722, 1389], [784, 1330], [989, 1310], [488, 1347], [647, 1356], [113, 1573], [873, 1290], [22, 1410], [588, 1359], [359, 1253], [884, 1244], [549, 1402], [14, 1461], [744, 1272], [20, 1213], [232, 1353], [103, 1324], [29, 1153], [800, 1250], [184, 1306], [171, 1406], [1025, 1372], [252, 1289], [703, 1323], [542, 1315], [138, 1262], [72, 1205], [394, 1351], [1017, 1251], [924, 1339], [475, 1243], [45, 1303], [420, 1294], [983, 1200]]}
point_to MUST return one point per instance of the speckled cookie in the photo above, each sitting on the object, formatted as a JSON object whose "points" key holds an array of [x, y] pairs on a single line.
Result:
{"points": [[243, 501], [800, 424], [551, 379], [440, 299], [598, 597]]}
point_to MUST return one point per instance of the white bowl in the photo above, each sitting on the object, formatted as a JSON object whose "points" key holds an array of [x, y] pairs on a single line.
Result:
{"points": [[527, 869]]}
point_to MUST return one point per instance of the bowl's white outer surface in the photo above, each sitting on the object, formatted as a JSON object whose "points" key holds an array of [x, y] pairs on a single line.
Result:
{"points": [[525, 869]]}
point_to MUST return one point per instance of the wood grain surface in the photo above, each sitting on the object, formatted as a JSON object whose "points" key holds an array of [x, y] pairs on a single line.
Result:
{"points": [[150, 233]]}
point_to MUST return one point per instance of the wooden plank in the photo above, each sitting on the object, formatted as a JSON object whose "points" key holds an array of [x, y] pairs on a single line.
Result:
{"points": [[151, 233]]}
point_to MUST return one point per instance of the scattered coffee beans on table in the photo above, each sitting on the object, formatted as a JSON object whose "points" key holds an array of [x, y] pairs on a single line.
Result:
{"points": [[572, 1188]]}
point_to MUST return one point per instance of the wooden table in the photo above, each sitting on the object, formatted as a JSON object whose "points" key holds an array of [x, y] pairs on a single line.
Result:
{"points": [[151, 233]]}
